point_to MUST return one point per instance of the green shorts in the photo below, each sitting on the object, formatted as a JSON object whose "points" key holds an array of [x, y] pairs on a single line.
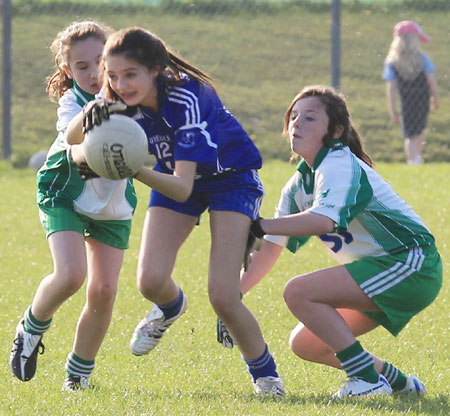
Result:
{"points": [[114, 233], [401, 285]]}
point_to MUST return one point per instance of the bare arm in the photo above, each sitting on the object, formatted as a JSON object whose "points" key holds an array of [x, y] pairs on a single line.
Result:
{"points": [[261, 263], [433, 91], [77, 153], [303, 224], [74, 133], [177, 186], [391, 94]]}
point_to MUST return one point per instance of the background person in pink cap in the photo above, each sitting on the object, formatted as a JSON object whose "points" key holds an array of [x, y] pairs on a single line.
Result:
{"points": [[409, 72]]}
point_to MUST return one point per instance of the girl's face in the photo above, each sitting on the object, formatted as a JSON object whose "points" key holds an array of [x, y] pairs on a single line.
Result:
{"points": [[132, 81], [308, 124], [84, 63]]}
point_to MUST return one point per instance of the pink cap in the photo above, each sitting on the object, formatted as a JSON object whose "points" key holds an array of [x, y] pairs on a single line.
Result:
{"points": [[408, 26]]}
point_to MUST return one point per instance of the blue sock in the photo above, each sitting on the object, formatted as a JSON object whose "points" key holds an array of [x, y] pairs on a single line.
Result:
{"points": [[172, 308], [263, 366]]}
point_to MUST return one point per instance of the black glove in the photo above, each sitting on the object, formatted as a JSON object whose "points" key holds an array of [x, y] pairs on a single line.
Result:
{"points": [[256, 229], [98, 110], [86, 172], [223, 335], [253, 240]]}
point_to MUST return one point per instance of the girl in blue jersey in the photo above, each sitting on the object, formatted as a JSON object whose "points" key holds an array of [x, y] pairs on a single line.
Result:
{"points": [[390, 269], [87, 223], [205, 160]]}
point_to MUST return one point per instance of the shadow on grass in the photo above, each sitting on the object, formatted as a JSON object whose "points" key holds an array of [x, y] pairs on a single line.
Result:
{"points": [[438, 405]]}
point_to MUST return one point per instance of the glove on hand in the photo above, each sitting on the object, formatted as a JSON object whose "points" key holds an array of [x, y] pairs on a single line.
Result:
{"points": [[223, 335], [98, 110], [86, 172], [253, 241], [256, 229]]}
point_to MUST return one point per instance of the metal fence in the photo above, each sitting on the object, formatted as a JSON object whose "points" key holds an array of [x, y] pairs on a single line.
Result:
{"points": [[261, 52]]}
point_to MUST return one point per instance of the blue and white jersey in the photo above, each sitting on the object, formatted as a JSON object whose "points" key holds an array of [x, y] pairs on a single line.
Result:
{"points": [[192, 124]]}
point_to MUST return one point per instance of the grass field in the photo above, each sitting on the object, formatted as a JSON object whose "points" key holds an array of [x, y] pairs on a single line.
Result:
{"points": [[260, 57], [190, 373]]}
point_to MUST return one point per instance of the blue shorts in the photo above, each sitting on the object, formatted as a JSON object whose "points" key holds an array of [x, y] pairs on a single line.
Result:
{"points": [[232, 191]]}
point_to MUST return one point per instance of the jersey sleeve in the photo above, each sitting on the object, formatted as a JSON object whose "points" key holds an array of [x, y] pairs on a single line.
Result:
{"points": [[388, 72], [341, 196], [289, 204], [193, 113], [67, 110], [428, 65], [193, 142]]}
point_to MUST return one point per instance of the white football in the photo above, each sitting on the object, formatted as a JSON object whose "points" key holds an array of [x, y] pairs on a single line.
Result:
{"points": [[117, 148]]}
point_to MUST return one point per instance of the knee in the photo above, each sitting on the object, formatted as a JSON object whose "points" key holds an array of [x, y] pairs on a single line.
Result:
{"points": [[295, 342], [102, 294], [71, 278], [150, 281], [222, 305], [295, 292], [301, 346]]}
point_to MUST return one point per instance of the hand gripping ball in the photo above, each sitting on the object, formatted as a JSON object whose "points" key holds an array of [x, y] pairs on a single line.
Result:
{"points": [[117, 148]]}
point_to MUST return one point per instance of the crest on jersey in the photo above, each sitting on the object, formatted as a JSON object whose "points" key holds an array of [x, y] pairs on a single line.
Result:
{"points": [[187, 140]]}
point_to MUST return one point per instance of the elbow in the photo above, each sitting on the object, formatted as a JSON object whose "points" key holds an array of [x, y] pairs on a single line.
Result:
{"points": [[74, 138], [182, 195], [328, 226], [180, 198], [72, 141]]}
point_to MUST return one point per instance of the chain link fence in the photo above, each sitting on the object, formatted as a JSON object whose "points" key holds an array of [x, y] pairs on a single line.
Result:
{"points": [[260, 52]]}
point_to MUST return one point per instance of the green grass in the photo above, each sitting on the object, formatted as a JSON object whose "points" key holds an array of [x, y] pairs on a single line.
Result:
{"points": [[260, 56], [190, 373]]}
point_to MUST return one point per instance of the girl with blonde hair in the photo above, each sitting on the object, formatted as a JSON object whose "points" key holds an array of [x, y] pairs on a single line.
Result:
{"points": [[409, 72]]}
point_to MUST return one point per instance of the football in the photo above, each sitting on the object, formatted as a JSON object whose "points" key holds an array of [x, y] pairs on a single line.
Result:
{"points": [[37, 159], [117, 148]]}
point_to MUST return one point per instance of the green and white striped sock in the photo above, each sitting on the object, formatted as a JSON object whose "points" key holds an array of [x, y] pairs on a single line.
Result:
{"points": [[358, 363], [396, 378], [76, 366], [33, 325]]}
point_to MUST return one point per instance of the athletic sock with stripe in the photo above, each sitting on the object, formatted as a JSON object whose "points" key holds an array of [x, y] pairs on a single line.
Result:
{"points": [[264, 366], [357, 362], [33, 325], [76, 366], [396, 378]]}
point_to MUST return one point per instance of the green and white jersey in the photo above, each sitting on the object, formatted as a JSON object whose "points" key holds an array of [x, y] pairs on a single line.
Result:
{"points": [[60, 185], [371, 219]]}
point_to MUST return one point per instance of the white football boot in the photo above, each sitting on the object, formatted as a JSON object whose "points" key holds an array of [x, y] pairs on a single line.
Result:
{"points": [[149, 331], [413, 386], [356, 387], [23, 357], [269, 386], [74, 383]]}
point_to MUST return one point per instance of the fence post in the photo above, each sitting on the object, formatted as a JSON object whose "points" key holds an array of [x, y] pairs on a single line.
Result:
{"points": [[336, 43], [6, 58]]}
